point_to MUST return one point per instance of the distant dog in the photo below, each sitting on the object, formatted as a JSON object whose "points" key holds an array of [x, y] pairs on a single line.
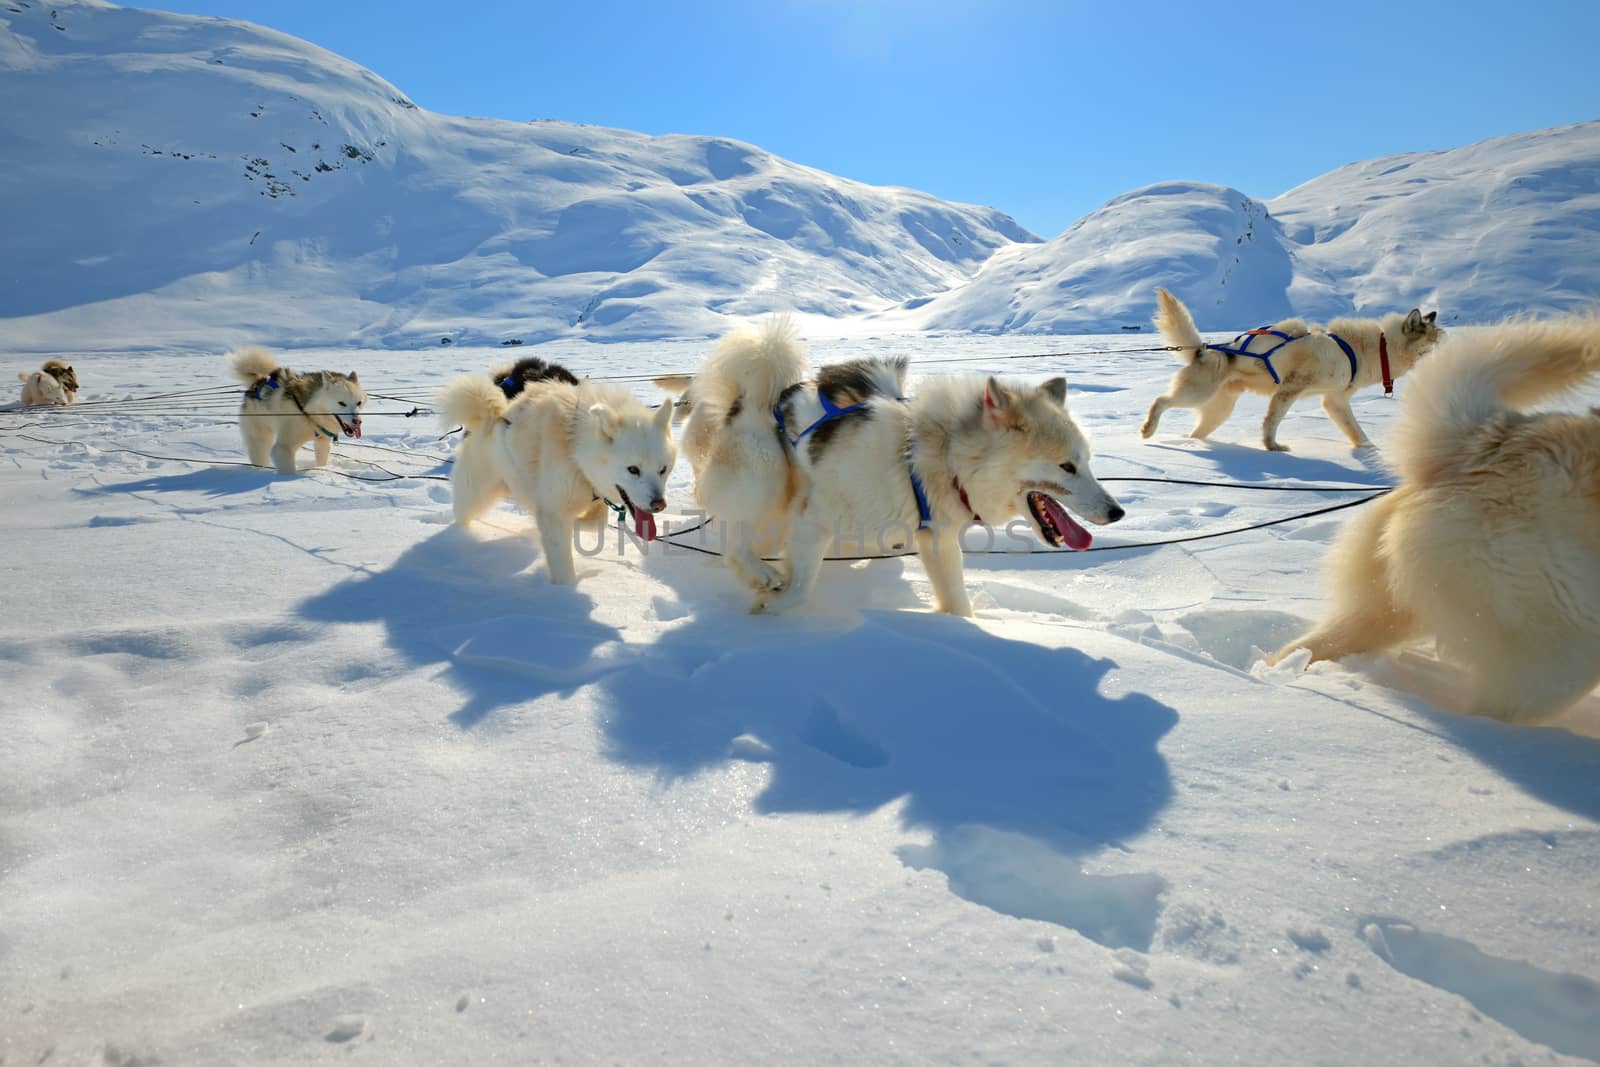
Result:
{"points": [[561, 449], [514, 378], [1287, 361], [771, 460], [1491, 544], [53, 383], [283, 410]]}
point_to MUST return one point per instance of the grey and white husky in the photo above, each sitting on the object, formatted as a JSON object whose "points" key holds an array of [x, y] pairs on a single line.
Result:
{"points": [[283, 410], [965, 450]]}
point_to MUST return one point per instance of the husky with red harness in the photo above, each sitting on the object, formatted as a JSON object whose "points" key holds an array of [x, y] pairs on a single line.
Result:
{"points": [[796, 463], [1287, 361]]}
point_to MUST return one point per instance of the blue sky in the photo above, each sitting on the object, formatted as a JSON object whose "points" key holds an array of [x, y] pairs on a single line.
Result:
{"points": [[1041, 109]]}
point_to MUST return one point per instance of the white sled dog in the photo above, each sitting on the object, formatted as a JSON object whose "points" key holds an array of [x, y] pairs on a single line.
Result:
{"points": [[788, 476], [560, 450], [283, 410], [1286, 361], [1491, 544], [53, 383]]}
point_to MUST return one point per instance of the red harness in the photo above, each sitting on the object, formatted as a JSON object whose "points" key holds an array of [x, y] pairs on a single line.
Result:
{"points": [[964, 501], [1383, 358]]}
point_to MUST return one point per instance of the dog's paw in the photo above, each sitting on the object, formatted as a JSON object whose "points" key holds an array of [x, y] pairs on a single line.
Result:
{"points": [[1147, 431], [1273, 446]]}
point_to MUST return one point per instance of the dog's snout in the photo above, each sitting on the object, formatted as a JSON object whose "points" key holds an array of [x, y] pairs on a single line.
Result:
{"points": [[658, 504], [1115, 514]]}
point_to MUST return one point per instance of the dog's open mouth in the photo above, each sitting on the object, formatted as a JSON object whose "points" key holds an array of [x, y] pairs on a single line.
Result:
{"points": [[644, 523], [351, 428], [1055, 526]]}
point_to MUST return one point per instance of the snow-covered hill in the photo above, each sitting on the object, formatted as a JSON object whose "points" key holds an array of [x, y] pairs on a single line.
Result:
{"points": [[172, 179], [1496, 228]]}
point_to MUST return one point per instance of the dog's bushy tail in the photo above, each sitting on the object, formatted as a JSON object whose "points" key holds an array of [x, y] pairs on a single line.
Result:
{"points": [[473, 401], [680, 386], [1476, 375], [252, 364], [750, 368], [1177, 327]]}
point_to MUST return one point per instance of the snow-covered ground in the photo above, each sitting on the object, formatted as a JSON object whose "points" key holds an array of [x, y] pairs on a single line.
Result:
{"points": [[293, 770]]}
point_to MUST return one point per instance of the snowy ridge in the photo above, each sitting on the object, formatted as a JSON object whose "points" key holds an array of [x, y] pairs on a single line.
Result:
{"points": [[1190, 236], [185, 182], [1502, 227], [214, 182]]}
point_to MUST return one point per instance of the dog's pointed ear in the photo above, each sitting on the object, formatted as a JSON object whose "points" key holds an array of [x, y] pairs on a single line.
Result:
{"points": [[605, 420], [664, 415], [1056, 390], [1430, 317], [1413, 325], [999, 405], [352, 376], [996, 397]]}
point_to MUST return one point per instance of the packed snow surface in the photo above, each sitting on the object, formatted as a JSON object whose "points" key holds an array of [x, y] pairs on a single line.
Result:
{"points": [[295, 770]]}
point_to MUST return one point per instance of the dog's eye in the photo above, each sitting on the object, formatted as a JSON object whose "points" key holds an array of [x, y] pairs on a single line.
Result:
{"points": [[663, 470], [1070, 468], [633, 471]]}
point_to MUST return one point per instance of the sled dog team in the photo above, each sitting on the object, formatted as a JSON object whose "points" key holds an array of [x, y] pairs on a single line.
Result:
{"points": [[1490, 544]]}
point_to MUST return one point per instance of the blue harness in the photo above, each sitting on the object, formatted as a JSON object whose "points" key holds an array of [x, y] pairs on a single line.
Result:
{"points": [[831, 411], [254, 392], [1238, 347], [924, 513]]}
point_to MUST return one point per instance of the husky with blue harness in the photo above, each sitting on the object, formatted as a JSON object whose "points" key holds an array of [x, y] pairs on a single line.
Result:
{"points": [[796, 465], [1287, 361], [282, 410]]}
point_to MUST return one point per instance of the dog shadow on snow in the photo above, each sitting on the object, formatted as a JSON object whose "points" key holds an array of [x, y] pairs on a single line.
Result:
{"points": [[213, 483], [504, 636], [1007, 753], [1557, 762], [1245, 463]]}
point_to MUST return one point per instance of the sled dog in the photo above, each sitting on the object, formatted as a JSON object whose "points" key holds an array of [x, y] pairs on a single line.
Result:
{"points": [[562, 449], [788, 480], [53, 383], [1299, 359], [514, 377], [283, 410], [1491, 543]]}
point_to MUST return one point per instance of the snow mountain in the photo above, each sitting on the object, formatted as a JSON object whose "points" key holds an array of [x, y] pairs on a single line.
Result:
{"points": [[185, 182], [215, 181], [1505, 226]]}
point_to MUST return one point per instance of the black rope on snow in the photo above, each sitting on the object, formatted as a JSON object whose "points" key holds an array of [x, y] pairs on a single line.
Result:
{"points": [[1056, 551]]}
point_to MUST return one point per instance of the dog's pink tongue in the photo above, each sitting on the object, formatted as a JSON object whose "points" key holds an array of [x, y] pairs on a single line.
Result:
{"points": [[644, 525], [358, 427], [1074, 536]]}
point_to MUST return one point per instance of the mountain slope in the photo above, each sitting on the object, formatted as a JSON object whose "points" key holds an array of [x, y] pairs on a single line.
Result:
{"points": [[215, 177], [1197, 238], [1505, 226]]}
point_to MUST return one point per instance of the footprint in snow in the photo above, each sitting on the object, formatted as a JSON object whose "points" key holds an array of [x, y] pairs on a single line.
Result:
{"points": [[1552, 1008]]}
